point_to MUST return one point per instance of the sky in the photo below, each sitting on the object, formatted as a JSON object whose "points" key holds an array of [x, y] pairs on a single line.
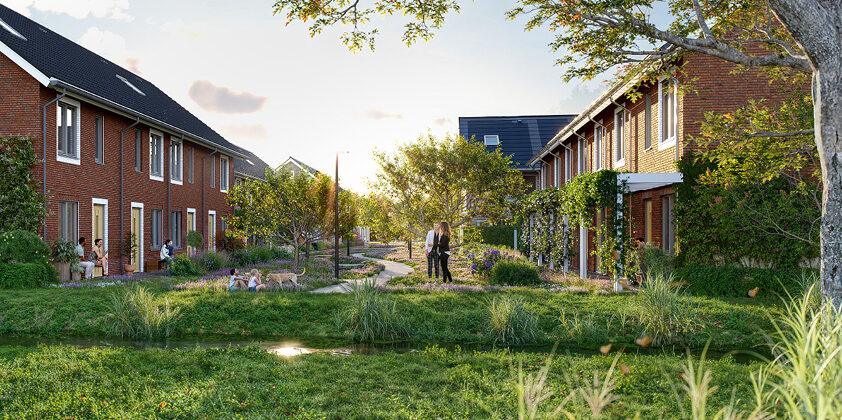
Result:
{"points": [[276, 91]]}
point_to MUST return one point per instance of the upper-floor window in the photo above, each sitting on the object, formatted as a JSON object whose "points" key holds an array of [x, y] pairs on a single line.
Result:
{"points": [[580, 153], [223, 174], [598, 134], [620, 137], [99, 140], [557, 171], [138, 148], [190, 165], [568, 163], [647, 126], [67, 130], [668, 112], [156, 155], [175, 161], [213, 172], [491, 140]]}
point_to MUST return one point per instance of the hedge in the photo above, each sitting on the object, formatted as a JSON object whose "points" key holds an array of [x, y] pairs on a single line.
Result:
{"points": [[26, 275], [498, 235], [514, 273], [736, 282]]}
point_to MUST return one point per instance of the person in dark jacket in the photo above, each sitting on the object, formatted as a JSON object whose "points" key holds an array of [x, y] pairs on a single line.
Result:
{"points": [[444, 251]]}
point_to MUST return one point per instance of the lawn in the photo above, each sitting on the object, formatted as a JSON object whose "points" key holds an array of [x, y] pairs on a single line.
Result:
{"points": [[246, 382]]}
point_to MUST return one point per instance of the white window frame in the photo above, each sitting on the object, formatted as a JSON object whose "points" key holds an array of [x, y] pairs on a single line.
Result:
{"points": [[211, 244], [665, 143], [75, 223], [99, 143], [104, 203], [598, 140], [152, 176], [226, 174], [135, 205], [491, 140], [541, 182], [191, 216], [568, 165], [557, 171], [581, 158], [176, 173], [75, 160], [619, 137], [160, 224], [176, 233]]}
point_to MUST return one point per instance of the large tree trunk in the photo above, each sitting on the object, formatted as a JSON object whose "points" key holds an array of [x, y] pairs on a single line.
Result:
{"points": [[817, 26]]}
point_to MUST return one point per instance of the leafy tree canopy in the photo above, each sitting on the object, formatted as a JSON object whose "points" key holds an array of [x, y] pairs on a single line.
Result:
{"points": [[21, 204]]}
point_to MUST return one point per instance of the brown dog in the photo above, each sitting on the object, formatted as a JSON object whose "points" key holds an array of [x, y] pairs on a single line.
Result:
{"points": [[282, 278]]}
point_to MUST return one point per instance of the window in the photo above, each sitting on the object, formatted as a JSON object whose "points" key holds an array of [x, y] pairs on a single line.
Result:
{"points": [[580, 154], [491, 140], [99, 140], [156, 156], [620, 137], [190, 165], [647, 220], [598, 134], [68, 217], [157, 225], [667, 110], [568, 163], [137, 151], [67, 131], [175, 161], [223, 174], [668, 231], [647, 129], [557, 171], [213, 171], [223, 224], [175, 228]]}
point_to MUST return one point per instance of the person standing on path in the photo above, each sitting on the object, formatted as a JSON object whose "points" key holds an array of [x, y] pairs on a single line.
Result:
{"points": [[431, 249], [444, 251]]}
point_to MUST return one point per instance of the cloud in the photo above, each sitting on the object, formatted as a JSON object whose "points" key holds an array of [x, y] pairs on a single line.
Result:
{"points": [[248, 131], [111, 46], [79, 9], [221, 99], [133, 64], [442, 121], [376, 114], [178, 27]]}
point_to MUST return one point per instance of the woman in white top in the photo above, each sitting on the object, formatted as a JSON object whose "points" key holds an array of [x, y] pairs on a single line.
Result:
{"points": [[254, 281]]}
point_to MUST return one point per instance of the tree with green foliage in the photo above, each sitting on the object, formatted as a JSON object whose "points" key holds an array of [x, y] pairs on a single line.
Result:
{"points": [[21, 204], [376, 212], [594, 36]]}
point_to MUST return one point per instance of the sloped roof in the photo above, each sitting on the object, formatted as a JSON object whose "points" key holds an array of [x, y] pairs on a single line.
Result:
{"points": [[520, 136], [303, 166], [252, 166], [61, 63]]}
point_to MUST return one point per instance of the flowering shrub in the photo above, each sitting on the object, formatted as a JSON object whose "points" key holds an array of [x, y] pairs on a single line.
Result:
{"points": [[231, 241], [182, 265], [481, 265]]}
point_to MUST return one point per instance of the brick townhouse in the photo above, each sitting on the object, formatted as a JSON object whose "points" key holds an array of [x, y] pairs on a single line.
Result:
{"points": [[645, 136], [119, 155]]}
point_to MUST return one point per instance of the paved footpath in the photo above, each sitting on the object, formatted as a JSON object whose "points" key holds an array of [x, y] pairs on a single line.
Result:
{"points": [[393, 269]]}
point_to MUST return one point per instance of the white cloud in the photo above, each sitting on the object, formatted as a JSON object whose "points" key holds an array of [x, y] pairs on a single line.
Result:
{"points": [[376, 114], [79, 9], [221, 99], [111, 46], [246, 131], [178, 27]]}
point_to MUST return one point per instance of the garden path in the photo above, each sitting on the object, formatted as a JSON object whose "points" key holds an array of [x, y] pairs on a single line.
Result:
{"points": [[392, 269]]}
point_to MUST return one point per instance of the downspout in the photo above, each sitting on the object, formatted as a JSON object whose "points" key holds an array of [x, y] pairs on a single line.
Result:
{"points": [[44, 163], [204, 185], [122, 195]]}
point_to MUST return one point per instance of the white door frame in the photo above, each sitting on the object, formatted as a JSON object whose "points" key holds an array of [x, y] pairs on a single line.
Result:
{"points": [[191, 217], [102, 202], [140, 264], [212, 244]]}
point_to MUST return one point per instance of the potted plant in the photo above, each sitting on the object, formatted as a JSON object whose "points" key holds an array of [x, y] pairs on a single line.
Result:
{"points": [[65, 259], [128, 249], [195, 240]]}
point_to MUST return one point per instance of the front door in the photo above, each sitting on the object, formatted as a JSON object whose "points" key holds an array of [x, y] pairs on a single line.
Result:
{"points": [[191, 226], [99, 230], [212, 231], [136, 220]]}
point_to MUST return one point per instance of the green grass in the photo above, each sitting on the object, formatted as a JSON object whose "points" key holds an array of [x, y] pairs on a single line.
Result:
{"points": [[430, 316], [56, 381]]}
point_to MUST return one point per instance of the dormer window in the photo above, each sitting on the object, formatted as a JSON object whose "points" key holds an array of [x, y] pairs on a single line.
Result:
{"points": [[491, 140]]}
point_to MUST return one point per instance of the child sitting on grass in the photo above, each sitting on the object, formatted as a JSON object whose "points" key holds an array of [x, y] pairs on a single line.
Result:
{"points": [[254, 282], [236, 282]]}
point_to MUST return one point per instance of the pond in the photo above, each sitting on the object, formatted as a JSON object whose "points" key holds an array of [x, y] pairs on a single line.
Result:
{"points": [[290, 347]]}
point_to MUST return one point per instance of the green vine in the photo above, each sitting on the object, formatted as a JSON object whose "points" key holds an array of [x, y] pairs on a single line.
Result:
{"points": [[543, 213]]}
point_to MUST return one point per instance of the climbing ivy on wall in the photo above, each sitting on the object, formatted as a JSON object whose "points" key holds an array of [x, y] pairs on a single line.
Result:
{"points": [[543, 213]]}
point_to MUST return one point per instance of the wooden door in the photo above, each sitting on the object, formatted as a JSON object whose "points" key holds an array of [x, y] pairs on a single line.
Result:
{"points": [[191, 226], [212, 231], [98, 231]]}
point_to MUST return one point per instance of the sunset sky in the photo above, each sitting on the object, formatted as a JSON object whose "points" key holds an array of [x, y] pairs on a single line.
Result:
{"points": [[274, 90]]}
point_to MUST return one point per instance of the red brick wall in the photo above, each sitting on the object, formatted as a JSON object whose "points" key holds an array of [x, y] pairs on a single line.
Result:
{"points": [[20, 114]]}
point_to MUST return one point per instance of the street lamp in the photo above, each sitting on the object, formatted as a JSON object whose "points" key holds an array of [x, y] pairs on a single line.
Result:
{"points": [[336, 218]]}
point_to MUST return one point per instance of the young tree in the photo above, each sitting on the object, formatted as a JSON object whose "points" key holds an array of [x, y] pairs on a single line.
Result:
{"points": [[21, 204], [280, 209], [594, 36], [377, 212]]}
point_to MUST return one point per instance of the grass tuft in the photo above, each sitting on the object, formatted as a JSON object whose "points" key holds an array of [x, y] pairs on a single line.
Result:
{"points": [[511, 322], [370, 315], [136, 314], [669, 315]]}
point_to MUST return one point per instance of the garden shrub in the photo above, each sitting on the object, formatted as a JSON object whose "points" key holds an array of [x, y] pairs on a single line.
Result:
{"points": [[182, 265], [230, 241], [511, 322], [26, 275], [498, 235], [23, 246], [514, 273], [736, 282], [481, 265], [195, 239], [654, 261], [258, 254], [211, 261]]}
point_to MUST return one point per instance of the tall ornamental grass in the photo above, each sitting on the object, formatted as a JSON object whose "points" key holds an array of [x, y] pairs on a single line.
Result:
{"points": [[370, 315], [670, 315], [135, 313], [511, 322]]}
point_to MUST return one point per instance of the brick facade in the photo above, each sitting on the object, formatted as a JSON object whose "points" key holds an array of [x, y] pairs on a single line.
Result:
{"points": [[21, 115]]}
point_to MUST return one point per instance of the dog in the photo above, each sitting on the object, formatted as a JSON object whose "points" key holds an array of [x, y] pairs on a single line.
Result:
{"points": [[283, 278]]}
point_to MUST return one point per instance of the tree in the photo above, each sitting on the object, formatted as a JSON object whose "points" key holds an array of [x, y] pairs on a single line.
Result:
{"points": [[452, 179], [377, 212], [281, 209], [593, 36], [21, 204]]}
